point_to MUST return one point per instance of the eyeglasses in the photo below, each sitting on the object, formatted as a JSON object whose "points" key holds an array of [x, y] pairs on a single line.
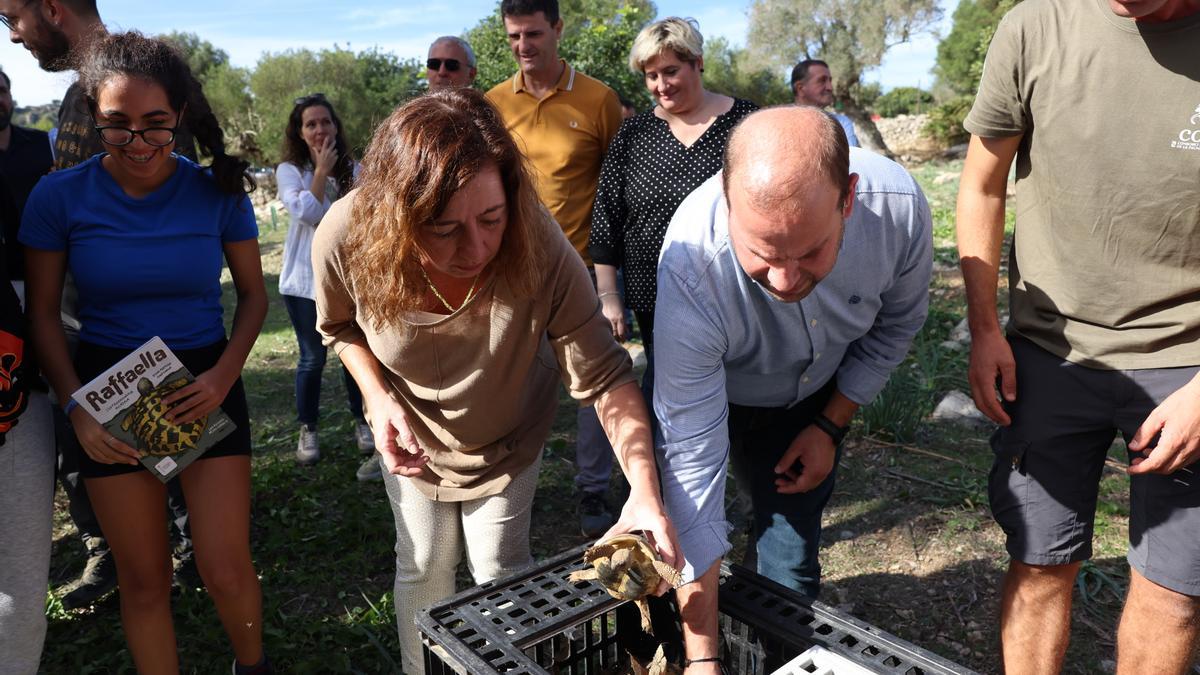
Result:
{"points": [[315, 96], [11, 24], [155, 136], [452, 65]]}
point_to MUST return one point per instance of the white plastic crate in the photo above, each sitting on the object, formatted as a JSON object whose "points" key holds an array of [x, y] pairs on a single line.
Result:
{"points": [[817, 660]]}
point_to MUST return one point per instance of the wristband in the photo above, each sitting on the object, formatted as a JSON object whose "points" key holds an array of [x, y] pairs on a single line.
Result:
{"points": [[71, 405], [838, 434], [607, 293], [707, 659]]}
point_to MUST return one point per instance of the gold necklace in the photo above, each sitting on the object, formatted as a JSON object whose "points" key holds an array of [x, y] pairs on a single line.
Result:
{"points": [[449, 307]]}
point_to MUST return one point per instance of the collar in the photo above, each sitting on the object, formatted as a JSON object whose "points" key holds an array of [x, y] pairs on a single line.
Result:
{"points": [[566, 82]]}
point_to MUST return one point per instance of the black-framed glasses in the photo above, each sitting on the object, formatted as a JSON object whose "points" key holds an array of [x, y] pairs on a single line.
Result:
{"points": [[315, 96], [11, 24], [155, 136], [452, 65]]}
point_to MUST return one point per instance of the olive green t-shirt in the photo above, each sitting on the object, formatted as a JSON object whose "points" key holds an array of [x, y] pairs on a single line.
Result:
{"points": [[1105, 269]]}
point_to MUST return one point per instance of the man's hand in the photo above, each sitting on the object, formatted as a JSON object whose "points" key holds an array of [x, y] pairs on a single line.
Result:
{"points": [[1176, 422], [992, 360], [814, 449], [394, 439], [649, 516]]}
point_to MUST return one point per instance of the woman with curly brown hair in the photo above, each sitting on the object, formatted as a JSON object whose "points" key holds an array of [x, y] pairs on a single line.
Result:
{"points": [[316, 171], [458, 304]]}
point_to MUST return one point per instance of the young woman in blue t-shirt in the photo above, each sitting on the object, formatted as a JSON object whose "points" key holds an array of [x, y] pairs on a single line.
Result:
{"points": [[144, 233]]}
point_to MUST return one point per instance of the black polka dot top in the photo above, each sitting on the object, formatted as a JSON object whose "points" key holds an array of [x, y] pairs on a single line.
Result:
{"points": [[646, 174]]}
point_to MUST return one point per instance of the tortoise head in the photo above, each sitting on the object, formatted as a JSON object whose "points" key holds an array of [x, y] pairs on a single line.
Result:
{"points": [[145, 386]]}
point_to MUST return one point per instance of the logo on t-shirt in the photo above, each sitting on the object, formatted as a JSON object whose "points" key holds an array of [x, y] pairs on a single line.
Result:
{"points": [[1189, 137]]}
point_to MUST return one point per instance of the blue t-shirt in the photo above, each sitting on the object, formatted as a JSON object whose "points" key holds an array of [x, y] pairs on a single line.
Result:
{"points": [[143, 267]]}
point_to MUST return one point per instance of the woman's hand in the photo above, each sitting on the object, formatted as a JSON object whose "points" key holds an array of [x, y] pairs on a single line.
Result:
{"points": [[614, 311], [394, 439], [100, 445], [647, 515], [325, 157], [200, 397]]}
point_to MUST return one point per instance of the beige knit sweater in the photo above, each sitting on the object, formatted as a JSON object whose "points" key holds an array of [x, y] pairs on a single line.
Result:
{"points": [[480, 385]]}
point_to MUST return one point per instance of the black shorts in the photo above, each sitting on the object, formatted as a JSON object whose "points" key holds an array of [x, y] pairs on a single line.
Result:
{"points": [[91, 360], [1044, 484]]}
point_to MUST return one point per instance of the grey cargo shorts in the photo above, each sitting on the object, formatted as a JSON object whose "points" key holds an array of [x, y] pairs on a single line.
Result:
{"points": [[1044, 483]]}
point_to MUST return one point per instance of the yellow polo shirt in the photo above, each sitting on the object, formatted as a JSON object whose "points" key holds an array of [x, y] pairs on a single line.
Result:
{"points": [[565, 136]]}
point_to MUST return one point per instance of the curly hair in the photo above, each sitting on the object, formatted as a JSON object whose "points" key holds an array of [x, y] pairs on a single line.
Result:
{"points": [[419, 157], [296, 151], [134, 55]]}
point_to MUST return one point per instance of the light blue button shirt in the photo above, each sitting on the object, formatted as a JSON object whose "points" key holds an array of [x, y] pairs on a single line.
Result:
{"points": [[848, 127], [719, 338]]}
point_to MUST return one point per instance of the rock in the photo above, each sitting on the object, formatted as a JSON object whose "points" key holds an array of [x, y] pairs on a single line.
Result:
{"points": [[961, 333], [952, 345], [955, 151], [905, 137], [638, 354], [958, 408], [946, 177], [846, 534]]}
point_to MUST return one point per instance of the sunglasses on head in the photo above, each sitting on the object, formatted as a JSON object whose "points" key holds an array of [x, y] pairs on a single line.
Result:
{"points": [[318, 96], [452, 65]]}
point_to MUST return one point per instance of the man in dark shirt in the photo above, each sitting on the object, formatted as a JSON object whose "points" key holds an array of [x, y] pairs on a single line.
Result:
{"points": [[54, 31], [24, 158]]}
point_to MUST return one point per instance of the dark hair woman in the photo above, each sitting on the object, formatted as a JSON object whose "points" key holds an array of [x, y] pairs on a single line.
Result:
{"points": [[316, 171], [144, 233], [456, 302]]}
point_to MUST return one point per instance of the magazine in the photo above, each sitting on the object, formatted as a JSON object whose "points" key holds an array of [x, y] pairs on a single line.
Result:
{"points": [[127, 400]]}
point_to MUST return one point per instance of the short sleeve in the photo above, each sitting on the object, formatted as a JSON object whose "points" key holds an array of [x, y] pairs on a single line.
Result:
{"points": [[240, 223], [999, 108], [44, 223]]}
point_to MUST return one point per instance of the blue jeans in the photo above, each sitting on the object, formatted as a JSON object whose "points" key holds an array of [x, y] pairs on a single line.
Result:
{"points": [[303, 313], [787, 528], [593, 453]]}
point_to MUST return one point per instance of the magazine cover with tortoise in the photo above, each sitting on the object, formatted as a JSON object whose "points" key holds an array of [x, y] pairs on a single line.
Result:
{"points": [[128, 400]]}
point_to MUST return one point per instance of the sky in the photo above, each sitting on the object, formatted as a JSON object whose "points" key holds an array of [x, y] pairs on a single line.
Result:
{"points": [[247, 28]]}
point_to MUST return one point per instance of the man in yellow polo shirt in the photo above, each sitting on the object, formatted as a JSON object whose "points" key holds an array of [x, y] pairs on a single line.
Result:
{"points": [[563, 120]]}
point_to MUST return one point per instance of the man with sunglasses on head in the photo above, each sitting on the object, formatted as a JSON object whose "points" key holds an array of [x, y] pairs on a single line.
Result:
{"points": [[563, 121], [55, 32], [451, 63]]}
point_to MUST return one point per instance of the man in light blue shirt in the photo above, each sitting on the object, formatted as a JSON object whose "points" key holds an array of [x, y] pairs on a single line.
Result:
{"points": [[812, 84], [790, 286]]}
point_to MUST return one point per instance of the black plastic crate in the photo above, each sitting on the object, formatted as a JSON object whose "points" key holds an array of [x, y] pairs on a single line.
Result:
{"points": [[540, 623]]}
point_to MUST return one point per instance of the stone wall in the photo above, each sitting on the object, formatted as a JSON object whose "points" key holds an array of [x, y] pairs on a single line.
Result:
{"points": [[904, 137]]}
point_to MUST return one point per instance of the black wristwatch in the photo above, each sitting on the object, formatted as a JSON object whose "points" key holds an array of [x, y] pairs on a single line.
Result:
{"points": [[838, 434]]}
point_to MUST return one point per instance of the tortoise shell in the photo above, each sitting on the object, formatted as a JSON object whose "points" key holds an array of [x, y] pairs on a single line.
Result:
{"points": [[627, 566], [147, 420]]}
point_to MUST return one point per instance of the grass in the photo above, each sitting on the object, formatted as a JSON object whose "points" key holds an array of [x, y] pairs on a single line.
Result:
{"points": [[910, 545]]}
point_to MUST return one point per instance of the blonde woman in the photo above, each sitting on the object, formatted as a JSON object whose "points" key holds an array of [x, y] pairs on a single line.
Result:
{"points": [[656, 159], [458, 305]]}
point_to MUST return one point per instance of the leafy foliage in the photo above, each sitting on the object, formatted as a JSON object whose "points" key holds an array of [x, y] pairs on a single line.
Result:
{"points": [[253, 105], [731, 71], [945, 123], [903, 101], [852, 36]]}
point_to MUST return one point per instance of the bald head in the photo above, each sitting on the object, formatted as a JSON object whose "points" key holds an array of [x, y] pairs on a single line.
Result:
{"points": [[779, 155]]}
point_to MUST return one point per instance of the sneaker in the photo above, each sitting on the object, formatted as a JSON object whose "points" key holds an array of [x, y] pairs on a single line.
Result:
{"points": [[364, 438], [263, 668], [98, 579], [370, 471], [307, 450], [594, 515]]}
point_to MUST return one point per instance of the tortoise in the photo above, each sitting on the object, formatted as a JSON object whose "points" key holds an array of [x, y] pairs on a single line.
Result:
{"points": [[629, 569], [147, 420]]}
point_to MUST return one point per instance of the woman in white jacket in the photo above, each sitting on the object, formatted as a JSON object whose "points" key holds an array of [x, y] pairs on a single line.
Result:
{"points": [[316, 171]]}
